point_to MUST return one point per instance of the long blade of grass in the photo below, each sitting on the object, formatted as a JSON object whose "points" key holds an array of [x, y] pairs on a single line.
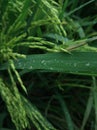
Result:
{"points": [[81, 6], [87, 111], [65, 112], [77, 63], [95, 99]]}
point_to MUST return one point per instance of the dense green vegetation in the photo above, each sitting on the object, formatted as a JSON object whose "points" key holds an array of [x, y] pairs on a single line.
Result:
{"points": [[48, 65]]}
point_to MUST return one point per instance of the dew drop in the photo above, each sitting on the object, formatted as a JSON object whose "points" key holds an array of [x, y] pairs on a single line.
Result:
{"points": [[30, 67], [33, 61], [55, 60], [43, 62], [75, 64], [51, 68], [88, 64]]}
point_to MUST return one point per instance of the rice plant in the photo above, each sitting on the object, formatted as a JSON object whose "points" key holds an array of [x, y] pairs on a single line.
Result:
{"points": [[48, 64]]}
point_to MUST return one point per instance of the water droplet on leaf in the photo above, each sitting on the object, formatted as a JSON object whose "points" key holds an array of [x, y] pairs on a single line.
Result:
{"points": [[88, 64]]}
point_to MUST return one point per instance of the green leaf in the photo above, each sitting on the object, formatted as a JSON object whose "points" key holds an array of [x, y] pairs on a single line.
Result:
{"points": [[66, 113], [87, 111], [95, 99], [84, 63]]}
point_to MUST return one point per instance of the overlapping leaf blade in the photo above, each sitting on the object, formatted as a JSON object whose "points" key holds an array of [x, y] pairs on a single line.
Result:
{"points": [[76, 62]]}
